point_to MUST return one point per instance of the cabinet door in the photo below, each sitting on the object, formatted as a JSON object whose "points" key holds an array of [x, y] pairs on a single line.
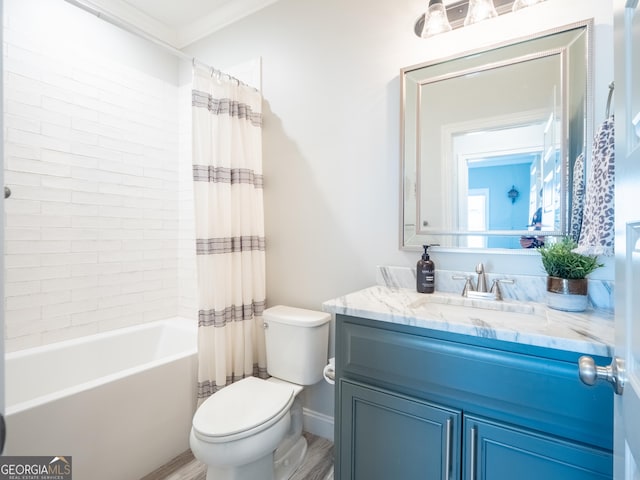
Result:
{"points": [[387, 436], [493, 451]]}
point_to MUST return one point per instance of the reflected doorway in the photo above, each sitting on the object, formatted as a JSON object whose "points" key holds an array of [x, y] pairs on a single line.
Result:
{"points": [[477, 215]]}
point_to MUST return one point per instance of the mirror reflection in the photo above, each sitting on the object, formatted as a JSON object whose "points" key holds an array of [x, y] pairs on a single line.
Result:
{"points": [[489, 140]]}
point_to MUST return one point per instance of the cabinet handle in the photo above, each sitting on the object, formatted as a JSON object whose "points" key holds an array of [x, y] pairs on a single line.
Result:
{"points": [[474, 452], [447, 449]]}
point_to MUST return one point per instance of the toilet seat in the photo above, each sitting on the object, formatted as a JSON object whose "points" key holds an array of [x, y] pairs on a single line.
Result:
{"points": [[242, 409]]}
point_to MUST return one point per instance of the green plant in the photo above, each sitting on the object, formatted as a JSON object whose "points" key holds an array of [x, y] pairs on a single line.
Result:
{"points": [[559, 260]]}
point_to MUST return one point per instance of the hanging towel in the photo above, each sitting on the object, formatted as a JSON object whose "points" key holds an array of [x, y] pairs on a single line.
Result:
{"points": [[577, 198], [597, 234]]}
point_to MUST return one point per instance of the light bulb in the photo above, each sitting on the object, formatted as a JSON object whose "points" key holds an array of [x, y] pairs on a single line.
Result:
{"points": [[480, 10], [435, 19]]}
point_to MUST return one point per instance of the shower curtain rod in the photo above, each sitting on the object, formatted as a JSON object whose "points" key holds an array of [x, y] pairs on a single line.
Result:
{"points": [[128, 27]]}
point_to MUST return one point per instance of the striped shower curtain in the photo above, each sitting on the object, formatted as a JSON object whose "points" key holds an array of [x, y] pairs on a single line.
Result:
{"points": [[229, 222]]}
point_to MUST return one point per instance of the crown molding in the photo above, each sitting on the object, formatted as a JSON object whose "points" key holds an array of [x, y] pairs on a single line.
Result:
{"points": [[227, 14], [178, 37], [125, 13]]}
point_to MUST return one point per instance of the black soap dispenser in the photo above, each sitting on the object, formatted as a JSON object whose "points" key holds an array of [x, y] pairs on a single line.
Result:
{"points": [[425, 273]]}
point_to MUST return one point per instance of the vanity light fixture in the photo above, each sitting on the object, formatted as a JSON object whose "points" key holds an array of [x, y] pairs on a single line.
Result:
{"points": [[435, 19], [480, 10], [458, 13]]}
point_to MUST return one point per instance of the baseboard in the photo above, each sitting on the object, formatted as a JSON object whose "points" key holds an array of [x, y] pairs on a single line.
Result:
{"points": [[317, 423]]}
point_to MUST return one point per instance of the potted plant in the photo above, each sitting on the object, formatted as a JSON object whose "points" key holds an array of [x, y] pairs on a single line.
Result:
{"points": [[567, 271]]}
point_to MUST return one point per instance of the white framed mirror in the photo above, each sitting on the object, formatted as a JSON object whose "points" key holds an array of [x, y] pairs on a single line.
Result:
{"points": [[489, 139]]}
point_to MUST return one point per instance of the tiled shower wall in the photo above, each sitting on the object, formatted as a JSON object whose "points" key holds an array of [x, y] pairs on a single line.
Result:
{"points": [[187, 282], [92, 150]]}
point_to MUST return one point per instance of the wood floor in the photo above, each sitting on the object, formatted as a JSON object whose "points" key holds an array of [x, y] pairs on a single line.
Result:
{"points": [[318, 464]]}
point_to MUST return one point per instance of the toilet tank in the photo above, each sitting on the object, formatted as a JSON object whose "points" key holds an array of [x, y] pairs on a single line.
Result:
{"points": [[297, 342]]}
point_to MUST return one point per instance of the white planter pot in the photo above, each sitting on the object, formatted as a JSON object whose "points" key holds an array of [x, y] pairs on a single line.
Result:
{"points": [[567, 295]]}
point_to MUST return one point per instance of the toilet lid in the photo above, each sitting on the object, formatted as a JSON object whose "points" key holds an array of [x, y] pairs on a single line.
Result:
{"points": [[236, 410]]}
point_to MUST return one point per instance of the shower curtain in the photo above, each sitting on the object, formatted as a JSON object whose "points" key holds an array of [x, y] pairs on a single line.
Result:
{"points": [[229, 222]]}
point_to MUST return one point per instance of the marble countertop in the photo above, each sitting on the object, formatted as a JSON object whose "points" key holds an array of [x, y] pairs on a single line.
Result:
{"points": [[530, 323]]}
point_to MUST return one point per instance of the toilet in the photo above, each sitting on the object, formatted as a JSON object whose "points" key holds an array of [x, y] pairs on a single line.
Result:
{"points": [[252, 429]]}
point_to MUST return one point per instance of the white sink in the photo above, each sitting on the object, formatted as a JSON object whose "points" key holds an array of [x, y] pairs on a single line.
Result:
{"points": [[480, 302]]}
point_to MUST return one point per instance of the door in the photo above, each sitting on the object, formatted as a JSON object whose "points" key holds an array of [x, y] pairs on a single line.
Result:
{"points": [[2, 197], [626, 50], [627, 111]]}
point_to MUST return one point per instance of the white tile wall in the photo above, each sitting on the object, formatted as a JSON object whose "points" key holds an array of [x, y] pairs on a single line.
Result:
{"points": [[187, 283], [93, 226]]}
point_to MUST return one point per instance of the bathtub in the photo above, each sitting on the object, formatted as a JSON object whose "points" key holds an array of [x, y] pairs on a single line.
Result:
{"points": [[120, 403]]}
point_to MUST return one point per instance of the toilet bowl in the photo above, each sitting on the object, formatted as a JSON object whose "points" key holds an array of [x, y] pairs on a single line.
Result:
{"points": [[236, 431], [252, 429]]}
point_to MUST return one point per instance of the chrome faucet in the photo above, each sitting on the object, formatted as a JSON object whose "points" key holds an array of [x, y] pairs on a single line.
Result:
{"points": [[480, 290], [482, 279]]}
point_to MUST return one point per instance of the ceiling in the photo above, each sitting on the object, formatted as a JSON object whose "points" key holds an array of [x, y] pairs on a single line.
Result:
{"points": [[178, 22]]}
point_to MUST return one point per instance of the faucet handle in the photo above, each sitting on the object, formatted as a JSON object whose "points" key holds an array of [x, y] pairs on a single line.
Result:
{"points": [[495, 287], [468, 284]]}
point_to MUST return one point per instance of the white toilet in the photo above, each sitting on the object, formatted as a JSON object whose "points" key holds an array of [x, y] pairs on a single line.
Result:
{"points": [[252, 429]]}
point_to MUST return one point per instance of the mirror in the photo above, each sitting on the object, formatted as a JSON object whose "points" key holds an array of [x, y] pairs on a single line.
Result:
{"points": [[489, 141]]}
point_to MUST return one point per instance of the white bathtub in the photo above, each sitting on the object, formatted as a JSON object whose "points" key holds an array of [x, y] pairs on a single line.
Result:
{"points": [[120, 402]]}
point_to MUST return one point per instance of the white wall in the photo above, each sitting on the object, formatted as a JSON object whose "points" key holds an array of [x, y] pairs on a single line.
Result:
{"points": [[91, 155], [330, 77]]}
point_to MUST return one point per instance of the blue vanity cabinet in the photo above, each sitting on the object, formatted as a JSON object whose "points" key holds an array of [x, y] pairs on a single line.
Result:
{"points": [[426, 404]]}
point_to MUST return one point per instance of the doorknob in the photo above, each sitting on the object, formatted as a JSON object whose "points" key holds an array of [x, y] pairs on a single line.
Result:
{"points": [[590, 373]]}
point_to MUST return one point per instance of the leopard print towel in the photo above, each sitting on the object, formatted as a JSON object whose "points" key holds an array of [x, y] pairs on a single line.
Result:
{"points": [[597, 233], [577, 199]]}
